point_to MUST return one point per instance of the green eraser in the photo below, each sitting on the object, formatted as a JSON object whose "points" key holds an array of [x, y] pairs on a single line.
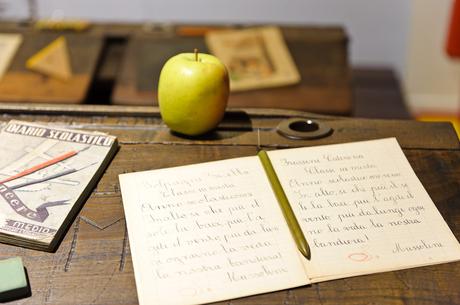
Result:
{"points": [[13, 280]]}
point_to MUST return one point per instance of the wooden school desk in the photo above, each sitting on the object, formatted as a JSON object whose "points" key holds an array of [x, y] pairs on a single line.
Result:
{"points": [[22, 85], [93, 263], [320, 54], [124, 61]]}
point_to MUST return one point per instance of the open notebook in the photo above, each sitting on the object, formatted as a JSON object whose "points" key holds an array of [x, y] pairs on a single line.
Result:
{"points": [[213, 231]]}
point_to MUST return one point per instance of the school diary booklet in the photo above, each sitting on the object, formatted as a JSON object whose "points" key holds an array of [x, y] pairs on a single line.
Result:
{"points": [[214, 231], [46, 174]]}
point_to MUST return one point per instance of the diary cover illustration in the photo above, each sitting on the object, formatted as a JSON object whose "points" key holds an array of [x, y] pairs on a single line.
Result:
{"points": [[44, 173]]}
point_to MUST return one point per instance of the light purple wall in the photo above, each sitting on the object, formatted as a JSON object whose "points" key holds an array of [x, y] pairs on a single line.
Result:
{"points": [[378, 29]]}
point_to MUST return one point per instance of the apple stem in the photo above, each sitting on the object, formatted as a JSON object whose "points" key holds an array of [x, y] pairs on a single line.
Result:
{"points": [[196, 54]]}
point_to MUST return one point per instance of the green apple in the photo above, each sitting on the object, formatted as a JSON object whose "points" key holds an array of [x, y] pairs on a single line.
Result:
{"points": [[193, 92]]}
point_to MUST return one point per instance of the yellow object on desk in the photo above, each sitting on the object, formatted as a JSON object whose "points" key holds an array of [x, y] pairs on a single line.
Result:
{"points": [[62, 25], [288, 214], [53, 60]]}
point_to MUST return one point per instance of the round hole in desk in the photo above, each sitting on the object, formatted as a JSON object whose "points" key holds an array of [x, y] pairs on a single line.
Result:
{"points": [[305, 129], [304, 126]]}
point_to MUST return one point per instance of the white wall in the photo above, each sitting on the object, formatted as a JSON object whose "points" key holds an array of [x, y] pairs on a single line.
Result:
{"points": [[377, 28], [431, 78]]}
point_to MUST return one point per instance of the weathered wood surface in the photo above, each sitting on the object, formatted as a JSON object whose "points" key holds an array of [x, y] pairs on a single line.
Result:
{"points": [[320, 55], [22, 85], [93, 263]]}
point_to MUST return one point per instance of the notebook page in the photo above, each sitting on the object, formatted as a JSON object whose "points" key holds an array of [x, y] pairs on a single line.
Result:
{"points": [[207, 232], [362, 209]]}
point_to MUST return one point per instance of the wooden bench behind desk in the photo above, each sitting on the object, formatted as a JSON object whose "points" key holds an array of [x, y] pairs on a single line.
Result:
{"points": [[93, 263]]}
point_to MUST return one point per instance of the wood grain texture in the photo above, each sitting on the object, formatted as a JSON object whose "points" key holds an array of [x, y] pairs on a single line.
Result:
{"points": [[377, 94], [22, 85], [93, 263]]}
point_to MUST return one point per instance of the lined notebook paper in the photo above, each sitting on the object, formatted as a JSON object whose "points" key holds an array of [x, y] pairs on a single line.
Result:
{"points": [[214, 231]]}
